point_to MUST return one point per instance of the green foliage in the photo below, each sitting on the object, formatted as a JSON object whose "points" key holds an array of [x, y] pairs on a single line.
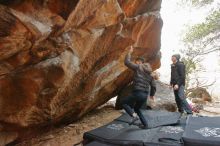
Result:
{"points": [[192, 64], [204, 37], [191, 67], [201, 2], [202, 30], [200, 39], [197, 3]]}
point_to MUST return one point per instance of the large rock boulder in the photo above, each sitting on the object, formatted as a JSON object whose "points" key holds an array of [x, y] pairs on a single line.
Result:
{"points": [[199, 95], [164, 98], [60, 59]]}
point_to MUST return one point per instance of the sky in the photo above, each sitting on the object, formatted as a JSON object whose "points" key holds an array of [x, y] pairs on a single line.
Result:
{"points": [[175, 18]]}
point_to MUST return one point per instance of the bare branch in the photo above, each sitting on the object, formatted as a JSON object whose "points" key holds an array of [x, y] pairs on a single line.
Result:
{"points": [[202, 86]]}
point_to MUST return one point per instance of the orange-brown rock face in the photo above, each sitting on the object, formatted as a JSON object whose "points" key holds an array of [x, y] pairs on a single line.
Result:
{"points": [[60, 59]]}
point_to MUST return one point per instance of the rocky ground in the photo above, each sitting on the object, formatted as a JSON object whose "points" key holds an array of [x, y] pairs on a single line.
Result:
{"points": [[73, 133], [211, 109]]}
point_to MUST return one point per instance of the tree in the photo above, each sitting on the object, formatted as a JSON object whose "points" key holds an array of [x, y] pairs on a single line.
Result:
{"points": [[204, 37], [193, 68], [200, 39], [197, 3]]}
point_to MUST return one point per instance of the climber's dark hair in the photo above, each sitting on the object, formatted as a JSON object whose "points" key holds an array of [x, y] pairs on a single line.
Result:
{"points": [[140, 59]]}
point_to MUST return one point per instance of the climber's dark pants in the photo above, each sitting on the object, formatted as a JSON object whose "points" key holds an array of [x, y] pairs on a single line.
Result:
{"points": [[181, 102], [136, 100]]}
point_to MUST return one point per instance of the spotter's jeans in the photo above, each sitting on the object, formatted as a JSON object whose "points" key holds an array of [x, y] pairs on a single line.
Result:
{"points": [[181, 102]]}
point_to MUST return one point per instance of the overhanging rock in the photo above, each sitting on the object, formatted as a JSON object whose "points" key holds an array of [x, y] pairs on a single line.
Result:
{"points": [[59, 59]]}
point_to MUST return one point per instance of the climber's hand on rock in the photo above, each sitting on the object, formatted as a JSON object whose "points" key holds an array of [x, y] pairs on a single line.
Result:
{"points": [[131, 49], [176, 87], [152, 98]]}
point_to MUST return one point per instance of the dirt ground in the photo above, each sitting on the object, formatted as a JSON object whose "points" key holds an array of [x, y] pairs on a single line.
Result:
{"points": [[211, 109], [73, 133]]}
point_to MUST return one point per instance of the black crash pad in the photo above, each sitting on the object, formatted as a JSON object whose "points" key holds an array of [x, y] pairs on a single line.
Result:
{"points": [[120, 133], [169, 135], [202, 131], [96, 143], [154, 118]]}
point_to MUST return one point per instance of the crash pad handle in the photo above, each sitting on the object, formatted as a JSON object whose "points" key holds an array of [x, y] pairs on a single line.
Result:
{"points": [[170, 140]]}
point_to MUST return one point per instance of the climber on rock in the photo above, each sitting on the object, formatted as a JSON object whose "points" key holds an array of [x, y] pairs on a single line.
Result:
{"points": [[143, 83], [177, 82]]}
